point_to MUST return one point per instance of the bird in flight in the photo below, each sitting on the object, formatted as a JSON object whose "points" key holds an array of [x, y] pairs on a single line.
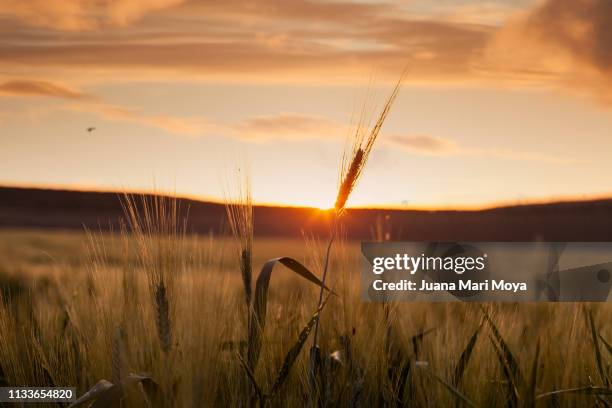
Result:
{"points": [[91, 129]]}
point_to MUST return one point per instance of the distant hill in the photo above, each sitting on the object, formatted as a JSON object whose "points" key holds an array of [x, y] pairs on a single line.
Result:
{"points": [[563, 221]]}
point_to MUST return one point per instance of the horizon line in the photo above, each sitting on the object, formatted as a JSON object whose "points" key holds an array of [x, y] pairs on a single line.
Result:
{"points": [[393, 207]]}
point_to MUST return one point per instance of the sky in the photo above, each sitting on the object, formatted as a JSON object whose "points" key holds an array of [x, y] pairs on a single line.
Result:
{"points": [[503, 102]]}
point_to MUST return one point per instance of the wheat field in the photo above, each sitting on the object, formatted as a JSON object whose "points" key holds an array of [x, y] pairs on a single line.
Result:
{"points": [[77, 308], [151, 315]]}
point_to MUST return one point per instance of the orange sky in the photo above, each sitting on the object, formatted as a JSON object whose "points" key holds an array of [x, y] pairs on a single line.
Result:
{"points": [[505, 101]]}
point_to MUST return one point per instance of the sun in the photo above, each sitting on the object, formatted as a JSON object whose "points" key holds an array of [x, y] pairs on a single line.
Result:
{"points": [[320, 203], [300, 194]]}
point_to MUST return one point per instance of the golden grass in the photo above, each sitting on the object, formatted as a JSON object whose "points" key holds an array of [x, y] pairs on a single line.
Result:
{"points": [[62, 331]]}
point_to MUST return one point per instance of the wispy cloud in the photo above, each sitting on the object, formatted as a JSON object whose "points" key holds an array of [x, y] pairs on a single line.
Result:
{"points": [[85, 102], [484, 12], [424, 144], [235, 40], [562, 44], [488, 43], [29, 87], [177, 125], [281, 126], [290, 126], [437, 146], [80, 15], [277, 41]]}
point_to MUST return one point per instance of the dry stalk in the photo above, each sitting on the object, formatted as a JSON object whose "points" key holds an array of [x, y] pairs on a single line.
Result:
{"points": [[353, 163], [240, 216], [159, 236]]}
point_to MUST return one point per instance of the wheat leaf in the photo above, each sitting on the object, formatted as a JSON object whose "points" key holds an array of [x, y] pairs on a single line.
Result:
{"points": [[508, 357], [251, 376], [452, 389], [608, 346], [261, 301], [295, 351], [150, 388], [466, 355], [301, 270], [417, 339], [531, 391], [598, 358], [109, 398], [589, 390], [507, 371], [94, 392]]}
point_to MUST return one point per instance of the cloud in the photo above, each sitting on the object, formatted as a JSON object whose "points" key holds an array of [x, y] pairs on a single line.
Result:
{"points": [[561, 45], [336, 11], [172, 124], [123, 12], [84, 102], [424, 144], [282, 126], [68, 15], [290, 126], [441, 52], [580, 27], [564, 44], [427, 145], [234, 39], [80, 15], [487, 12], [29, 87]]}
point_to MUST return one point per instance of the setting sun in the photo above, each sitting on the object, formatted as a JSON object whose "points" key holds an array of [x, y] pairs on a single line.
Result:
{"points": [[322, 204]]}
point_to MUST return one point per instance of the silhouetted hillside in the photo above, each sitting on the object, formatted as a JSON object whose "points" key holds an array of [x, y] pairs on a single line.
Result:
{"points": [[565, 221]]}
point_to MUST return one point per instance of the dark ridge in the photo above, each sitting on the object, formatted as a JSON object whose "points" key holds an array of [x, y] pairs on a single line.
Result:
{"points": [[563, 221]]}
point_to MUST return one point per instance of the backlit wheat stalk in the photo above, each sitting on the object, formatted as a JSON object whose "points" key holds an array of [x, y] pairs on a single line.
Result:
{"points": [[355, 159], [353, 162], [159, 235], [352, 165], [240, 215]]}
